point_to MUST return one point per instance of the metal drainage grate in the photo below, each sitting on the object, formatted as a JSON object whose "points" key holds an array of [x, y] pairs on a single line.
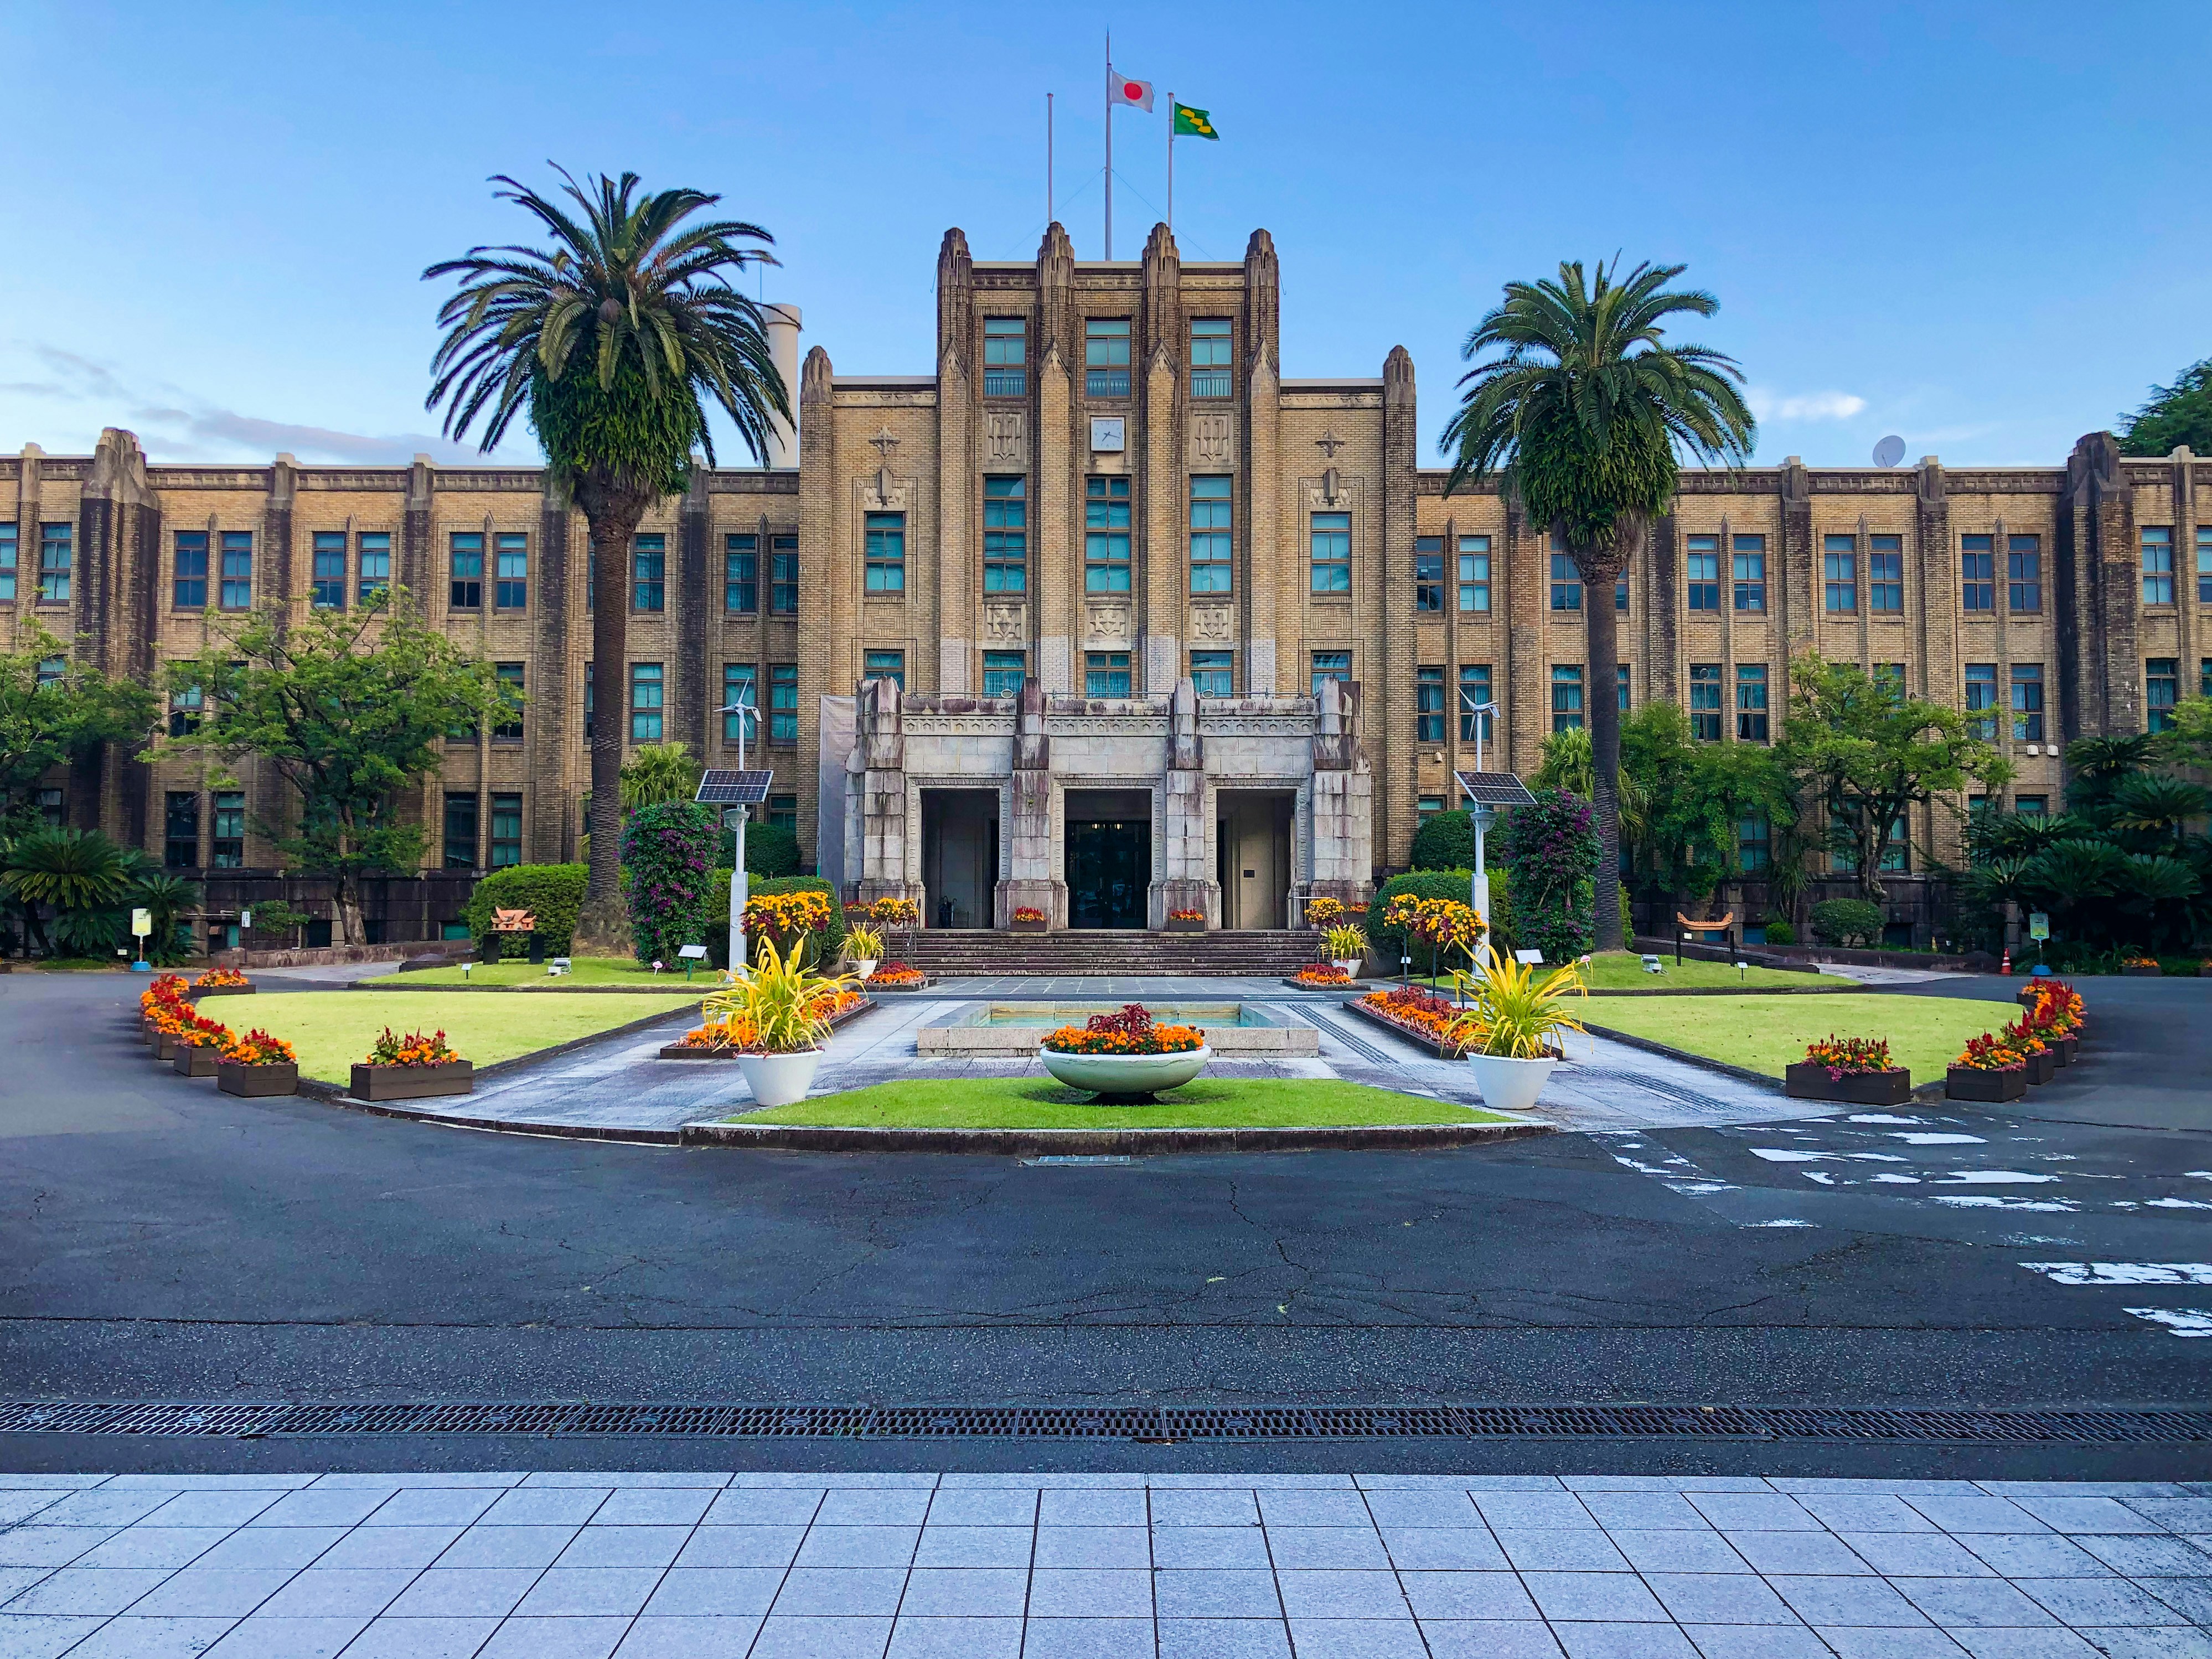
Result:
{"points": [[1130, 1423]]}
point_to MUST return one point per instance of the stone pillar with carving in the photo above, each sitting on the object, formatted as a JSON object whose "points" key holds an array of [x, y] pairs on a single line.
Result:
{"points": [[1029, 881], [1343, 831], [1054, 576], [1187, 826], [1157, 630], [880, 741], [1269, 561], [950, 574], [119, 557], [1399, 648]]}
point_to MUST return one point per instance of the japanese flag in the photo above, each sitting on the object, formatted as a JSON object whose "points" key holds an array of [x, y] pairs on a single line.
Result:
{"points": [[1120, 89]]}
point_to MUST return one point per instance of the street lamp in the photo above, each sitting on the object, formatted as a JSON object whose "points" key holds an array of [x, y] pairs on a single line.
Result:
{"points": [[736, 817], [1479, 813]]}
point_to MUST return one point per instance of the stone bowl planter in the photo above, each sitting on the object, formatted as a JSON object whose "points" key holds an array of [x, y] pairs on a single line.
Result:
{"points": [[1348, 966], [1126, 1080], [862, 967], [1971, 1083], [1510, 1085], [195, 1062], [1890, 1088], [257, 1082], [2152, 972], [779, 1079], [455, 1077], [2042, 1067]]}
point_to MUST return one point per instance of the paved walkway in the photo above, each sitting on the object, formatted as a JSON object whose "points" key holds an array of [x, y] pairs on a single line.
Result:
{"points": [[1097, 1566]]}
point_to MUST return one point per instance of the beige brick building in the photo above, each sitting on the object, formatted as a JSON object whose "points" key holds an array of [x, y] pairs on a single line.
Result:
{"points": [[1247, 614]]}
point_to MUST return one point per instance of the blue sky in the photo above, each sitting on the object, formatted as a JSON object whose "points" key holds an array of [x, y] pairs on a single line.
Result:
{"points": [[1982, 226]]}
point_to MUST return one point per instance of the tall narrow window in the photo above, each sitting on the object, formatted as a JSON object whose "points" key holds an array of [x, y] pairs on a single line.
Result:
{"points": [[1890, 677], [2204, 676], [1006, 356], [648, 560], [509, 675], [1003, 673], [2158, 564], [1566, 581], [1213, 357], [1840, 572], [185, 705], [460, 830], [646, 687], [52, 671], [1106, 357], [1703, 557], [1106, 674], [1750, 557], [783, 702], [884, 666], [1106, 535], [1751, 702], [886, 552], [1474, 692], [180, 830], [237, 577], [189, 590], [1331, 551], [54, 550], [1566, 696], [373, 549], [1429, 704], [2024, 572], [2027, 702], [1429, 573], [1212, 540], [783, 575], [591, 709], [2162, 689], [1006, 536], [1620, 594], [506, 830], [53, 808], [1211, 674], [1474, 572], [2204, 564], [467, 548], [1621, 686], [1977, 573], [329, 570], [7, 549], [1330, 665], [1755, 840], [741, 684], [1982, 700], [1886, 575], [1705, 702], [1899, 859], [512, 573], [741, 575], [230, 849]]}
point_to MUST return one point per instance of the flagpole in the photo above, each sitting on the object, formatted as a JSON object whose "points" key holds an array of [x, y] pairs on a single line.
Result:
{"points": [[1110, 143], [1171, 164], [1048, 158]]}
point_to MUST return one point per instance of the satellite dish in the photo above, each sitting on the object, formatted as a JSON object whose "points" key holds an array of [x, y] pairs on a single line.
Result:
{"points": [[1889, 452]]}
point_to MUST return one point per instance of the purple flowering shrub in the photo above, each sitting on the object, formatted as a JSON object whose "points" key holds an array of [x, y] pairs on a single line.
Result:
{"points": [[1550, 846], [669, 852]]}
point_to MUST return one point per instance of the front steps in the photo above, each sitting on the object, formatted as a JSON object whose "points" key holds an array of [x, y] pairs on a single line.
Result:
{"points": [[950, 952]]}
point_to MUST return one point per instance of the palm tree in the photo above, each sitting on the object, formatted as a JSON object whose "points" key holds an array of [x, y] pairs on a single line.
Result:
{"points": [[611, 341], [1584, 413], [657, 772]]}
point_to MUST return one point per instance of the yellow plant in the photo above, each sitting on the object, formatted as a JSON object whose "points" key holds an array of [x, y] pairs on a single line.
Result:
{"points": [[1515, 1016], [784, 1004], [863, 943], [1345, 943]]}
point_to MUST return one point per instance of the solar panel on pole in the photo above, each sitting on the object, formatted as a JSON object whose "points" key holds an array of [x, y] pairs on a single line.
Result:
{"points": [[1495, 789], [720, 786]]}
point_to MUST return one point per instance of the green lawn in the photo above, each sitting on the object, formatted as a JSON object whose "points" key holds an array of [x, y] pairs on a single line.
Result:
{"points": [[1042, 1104], [1764, 1034], [588, 971], [1623, 970], [333, 1029]]}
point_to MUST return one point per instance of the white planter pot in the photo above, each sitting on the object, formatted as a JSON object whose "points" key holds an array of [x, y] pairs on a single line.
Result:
{"points": [[1348, 966], [1127, 1074], [1510, 1085], [779, 1079], [861, 966]]}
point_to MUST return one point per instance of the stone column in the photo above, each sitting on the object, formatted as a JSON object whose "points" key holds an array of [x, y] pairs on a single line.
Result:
{"points": [[277, 553], [821, 490], [954, 579], [1274, 558], [2099, 595], [553, 708], [1395, 698], [1030, 880], [1343, 831], [1796, 584], [688, 691], [119, 562], [1188, 827], [1055, 511], [880, 741], [414, 533], [1157, 630]]}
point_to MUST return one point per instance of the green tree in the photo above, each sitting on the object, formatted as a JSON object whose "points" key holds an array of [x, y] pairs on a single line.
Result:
{"points": [[657, 774], [2174, 415], [609, 341], [52, 711], [1697, 797], [81, 873], [1864, 754], [348, 706], [1584, 412]]}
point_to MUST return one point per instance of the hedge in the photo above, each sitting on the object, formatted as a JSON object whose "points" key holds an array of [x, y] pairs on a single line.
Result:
{"points": [[552, 893], [717, 906], [1445, 841], [1847, 921], [771, 850]]}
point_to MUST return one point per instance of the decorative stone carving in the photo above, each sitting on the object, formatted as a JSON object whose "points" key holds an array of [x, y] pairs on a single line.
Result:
{"points": [[1212, 441], [1210, 622], [886, 442], [1109, 622], [1005, 437], [1003, 625]]}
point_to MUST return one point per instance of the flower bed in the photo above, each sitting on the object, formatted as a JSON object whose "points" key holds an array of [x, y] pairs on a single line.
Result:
{"points": [[221, 983], [1132, 1031], [1320, 973], [1988, 1069], [411, 1068], [1420, 1014], [1853, 1071], [258, 1065], [897, 976]]}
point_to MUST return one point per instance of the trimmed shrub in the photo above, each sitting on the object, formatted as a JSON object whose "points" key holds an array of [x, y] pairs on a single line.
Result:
{"points": [[1445, 841], [716, 908], [771, 850], [668, 848], [1847, 921], [552, 893], [1551, 845], [1781, 933]]}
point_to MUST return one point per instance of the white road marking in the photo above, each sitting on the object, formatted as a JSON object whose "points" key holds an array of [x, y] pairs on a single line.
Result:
{"points": [[1899, 1180], [1820, 1176], [2178, 1322], [2178, 1203], [1982, 1201], [1912, 1140], [1783, 1155], [1778, 1223], [2123, 1273], [2009, 1178], [1881, 1117]]}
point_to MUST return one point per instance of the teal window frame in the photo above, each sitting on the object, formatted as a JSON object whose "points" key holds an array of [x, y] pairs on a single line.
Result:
{"points": [[236, 552], [1429, 574], [1329, 548], [188, 588], [1331, 665], [510, 571], [1106, 674], [8, 556], [1474, 689], [1006, 356], [1004, 672], [1755, 843], [2162, 691], [648, 701], [1839, 574], [1473, 575], [1106, 357], [2158, 564], [1748, 556], [1107, 564], [373, 562], [1886, 575], [783, 575], [1705, 702], [1005, 534], [460, 830], [649, 573], [180, 830], [506, 830], [1212, 533], [327, 570], [465, 549], [1751, 709], [2027, 702], [783, 702], [1429, 702], [741, 575], [1213, 357], [1213, 673], [1701, 571], [1566, 696], [508, 675], [884, 666], [1566, 582], [1980, 681], [2024, 573], [56, 555], [227, 849], [739, 679], [885, 539]]}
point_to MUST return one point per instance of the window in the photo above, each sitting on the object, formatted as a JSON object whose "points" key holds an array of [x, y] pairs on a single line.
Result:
{"points": [[328, 553], [1330, 665], [1566, 696], [783, 575], [2033, 806], [1977, 573], [1898, 857], [1754, 842], [2027, 702], [512, 572], [783, 812], [1750, 573], [1212, 549], [1890, 676], [1703, 558], [591, 710], [886, 552], [1429, 573], [740, 683], [1839, 570], [1106, 535], [1429, 704], [1982, 700], [1621, 686], [54, 564], [180, 830], [1621, 595], [184, 711], [460, 830], [1006, 356], [1106, 357], [1105, 673], [1474, 692], [374, 549], [1005, 535], [465, 549], [1331, 547], [2158, 564], [509, 675], [237, 573], [1212, 673], [2024, 572], [1212, 356], [1705, 701], [1566, 581], [783, 702], [2161, 687], [506, 830], [189, 591], [53, 808], [648, 559], [229, 849], [2204, 676], [1427, 805], [52, 671], [7, 562], [1751, 702], [884, 666], [2203, 563], [1474, 572], [646, 687], [741, 575], [1003, 673], [1885, 574]]}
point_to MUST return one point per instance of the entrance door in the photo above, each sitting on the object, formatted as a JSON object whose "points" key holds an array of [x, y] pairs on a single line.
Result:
{"points": [[1252, 852]]}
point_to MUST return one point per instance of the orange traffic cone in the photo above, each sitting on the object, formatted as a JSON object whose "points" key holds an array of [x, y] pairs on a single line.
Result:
{"points": [[2005, 969]]}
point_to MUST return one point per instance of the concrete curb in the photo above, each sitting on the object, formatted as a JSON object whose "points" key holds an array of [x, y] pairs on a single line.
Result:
{"points": [[1378, 1137], [1741, 1074], [702, 988]]}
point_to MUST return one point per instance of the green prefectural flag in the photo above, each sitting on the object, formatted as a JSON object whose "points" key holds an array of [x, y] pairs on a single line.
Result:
{"points": [[1193, 123]]}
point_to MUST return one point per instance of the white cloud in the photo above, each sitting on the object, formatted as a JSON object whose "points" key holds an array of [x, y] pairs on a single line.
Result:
{"points": [[1770, 405]]}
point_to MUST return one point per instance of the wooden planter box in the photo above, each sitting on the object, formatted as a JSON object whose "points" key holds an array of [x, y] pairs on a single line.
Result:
{"points": [[165, 1046], [2152, 972], [2068, 1050], [195, 1062], [1890, 1088], [456, 1077], [223, 991], [1177, 926], [1970, 1083], [1028, 926], [2042, 1067], [256, 1082]]}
